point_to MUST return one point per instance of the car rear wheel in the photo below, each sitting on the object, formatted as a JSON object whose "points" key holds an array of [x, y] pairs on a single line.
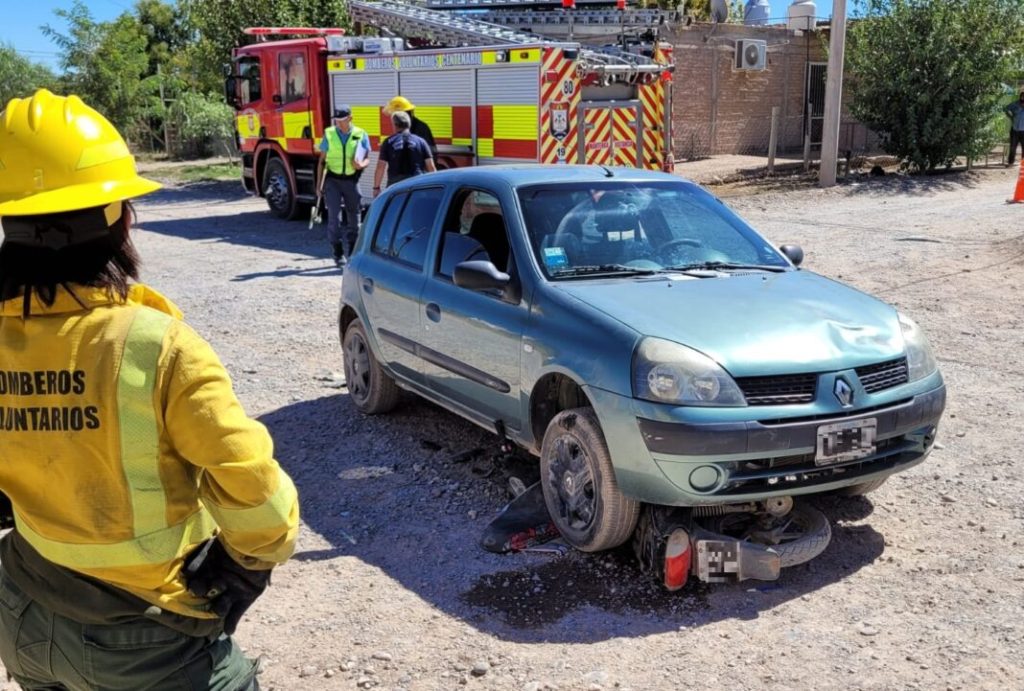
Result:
{"points": [[579, 484], [370, 387]]}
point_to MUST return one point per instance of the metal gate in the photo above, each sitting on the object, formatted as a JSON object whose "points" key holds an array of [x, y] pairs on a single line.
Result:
{"points": [[817, 73], [625, 136]]}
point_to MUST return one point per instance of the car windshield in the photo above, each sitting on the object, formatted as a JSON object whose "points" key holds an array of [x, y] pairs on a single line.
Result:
{"points": [[628, 229]]}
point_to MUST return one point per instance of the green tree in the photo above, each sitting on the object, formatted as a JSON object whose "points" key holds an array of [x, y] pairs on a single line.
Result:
{"points": [[220, 23], [926, 74], [20, 77], [167, 31], [107, 65]]}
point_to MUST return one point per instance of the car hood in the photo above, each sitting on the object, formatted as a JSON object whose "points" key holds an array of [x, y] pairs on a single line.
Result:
{"points": [[754, 323]]}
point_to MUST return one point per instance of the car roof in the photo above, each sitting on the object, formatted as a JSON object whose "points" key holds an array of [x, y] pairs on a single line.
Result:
{"points": [[519, 175]]}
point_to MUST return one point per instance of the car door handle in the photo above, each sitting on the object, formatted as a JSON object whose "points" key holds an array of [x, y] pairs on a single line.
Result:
{"points": [[433, 312], [367, 285]]}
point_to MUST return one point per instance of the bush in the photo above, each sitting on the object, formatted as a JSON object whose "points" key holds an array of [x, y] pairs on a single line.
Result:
{"points": [[203, 125], [926, 74]]}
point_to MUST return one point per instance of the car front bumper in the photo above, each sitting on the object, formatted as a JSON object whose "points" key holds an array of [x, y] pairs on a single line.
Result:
{"points": [[666, 455]]}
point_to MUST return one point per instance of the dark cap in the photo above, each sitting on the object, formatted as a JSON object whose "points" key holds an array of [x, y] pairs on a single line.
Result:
{"points": [[342, 112]]}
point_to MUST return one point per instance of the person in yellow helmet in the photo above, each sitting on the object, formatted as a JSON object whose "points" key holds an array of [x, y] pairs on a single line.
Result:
{"points": [[419, 128], [147, 507]]}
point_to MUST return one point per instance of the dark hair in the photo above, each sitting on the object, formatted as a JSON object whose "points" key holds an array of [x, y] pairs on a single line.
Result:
{"points": [[110, 262]]}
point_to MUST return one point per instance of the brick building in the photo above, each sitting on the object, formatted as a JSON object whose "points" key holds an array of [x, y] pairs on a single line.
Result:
{"points": [[718, 109]]}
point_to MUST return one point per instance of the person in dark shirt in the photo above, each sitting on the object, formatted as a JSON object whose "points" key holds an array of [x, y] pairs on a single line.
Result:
{"points": [[403, 154], [1015, 111], [418, 127]]}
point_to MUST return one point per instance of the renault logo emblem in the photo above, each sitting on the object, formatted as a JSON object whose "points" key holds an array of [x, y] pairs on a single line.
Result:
{"points": [[843, 392]]}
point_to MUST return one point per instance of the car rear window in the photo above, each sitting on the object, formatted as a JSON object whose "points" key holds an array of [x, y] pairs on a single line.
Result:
{"points": [[386, 227], [406, 239]]}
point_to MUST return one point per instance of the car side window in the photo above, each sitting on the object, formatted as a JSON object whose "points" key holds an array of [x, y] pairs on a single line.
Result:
{"points": [[412, 232], [386, 227], [475, 231]]}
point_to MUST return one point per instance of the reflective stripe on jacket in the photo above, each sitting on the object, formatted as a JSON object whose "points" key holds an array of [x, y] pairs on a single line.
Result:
{"points": [[124, 446], [341, 160]]}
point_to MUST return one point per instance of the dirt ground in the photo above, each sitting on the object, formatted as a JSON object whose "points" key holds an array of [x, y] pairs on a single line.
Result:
{"points": [[922, 584]]}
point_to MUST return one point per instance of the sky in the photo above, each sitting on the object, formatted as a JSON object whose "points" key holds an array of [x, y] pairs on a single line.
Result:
{"points": [[22, 19]]}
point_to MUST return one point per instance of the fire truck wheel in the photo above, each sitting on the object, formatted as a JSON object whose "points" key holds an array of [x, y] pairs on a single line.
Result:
{"points": [[278, 190]]}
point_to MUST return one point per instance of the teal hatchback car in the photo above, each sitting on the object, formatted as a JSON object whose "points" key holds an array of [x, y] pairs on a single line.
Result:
{"points": [[644, 342]]}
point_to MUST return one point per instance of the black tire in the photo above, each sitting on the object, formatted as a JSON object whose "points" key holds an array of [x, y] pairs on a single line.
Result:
{"points": [[372, 390], [279, 192], [811, 533], [579, 484], [859, 490]]}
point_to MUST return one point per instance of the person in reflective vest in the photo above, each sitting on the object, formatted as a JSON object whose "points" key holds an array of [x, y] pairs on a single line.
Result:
{"points": [[147, 507], [345, 152]]}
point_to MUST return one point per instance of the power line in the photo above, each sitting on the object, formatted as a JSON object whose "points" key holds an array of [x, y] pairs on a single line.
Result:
{"points": [[24, 51]]}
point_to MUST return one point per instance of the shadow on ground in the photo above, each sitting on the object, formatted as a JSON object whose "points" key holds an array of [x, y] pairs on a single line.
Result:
{"points": [[222, 212], [856, 183], [418, 517]]}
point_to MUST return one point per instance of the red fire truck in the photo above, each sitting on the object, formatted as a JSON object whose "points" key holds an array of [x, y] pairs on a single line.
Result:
{"points": [[511, 97]]}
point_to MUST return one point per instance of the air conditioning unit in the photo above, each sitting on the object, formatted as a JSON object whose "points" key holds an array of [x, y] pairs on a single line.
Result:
{"points": [[751, 54]]}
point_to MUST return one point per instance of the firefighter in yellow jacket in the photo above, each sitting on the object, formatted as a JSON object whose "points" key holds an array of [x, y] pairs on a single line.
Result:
{"points": [[147, 508]]}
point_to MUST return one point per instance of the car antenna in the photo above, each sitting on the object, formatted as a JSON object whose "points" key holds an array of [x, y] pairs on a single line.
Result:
{"points": [[607, 172]]}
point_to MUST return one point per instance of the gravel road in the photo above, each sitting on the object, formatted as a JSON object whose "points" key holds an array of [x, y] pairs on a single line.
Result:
{"points": [[922, 584]]}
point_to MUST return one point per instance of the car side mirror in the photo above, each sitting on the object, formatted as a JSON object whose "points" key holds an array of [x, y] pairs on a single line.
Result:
{"points": [[794, 253], [480, 275]]}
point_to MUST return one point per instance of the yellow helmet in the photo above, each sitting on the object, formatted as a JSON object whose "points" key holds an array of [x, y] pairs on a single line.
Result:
{"points": [[398, 103], [58, 154]]}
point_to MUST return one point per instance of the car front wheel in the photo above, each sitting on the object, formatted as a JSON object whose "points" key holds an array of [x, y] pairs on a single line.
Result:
{"points": [[370, 387], [579, 484]]}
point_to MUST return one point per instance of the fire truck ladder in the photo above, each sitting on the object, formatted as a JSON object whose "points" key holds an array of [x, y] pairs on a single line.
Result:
{"points": [[524, 13], [409, 20], [611, 63]]}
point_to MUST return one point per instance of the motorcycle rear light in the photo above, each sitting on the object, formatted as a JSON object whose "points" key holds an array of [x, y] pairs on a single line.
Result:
{"points": [[677, 559]]}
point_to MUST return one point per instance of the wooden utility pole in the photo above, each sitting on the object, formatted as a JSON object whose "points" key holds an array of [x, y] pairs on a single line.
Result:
{"points": [[833, 96], [773, 139], [163, 104]]}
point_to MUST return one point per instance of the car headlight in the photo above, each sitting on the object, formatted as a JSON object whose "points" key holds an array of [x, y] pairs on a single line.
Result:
{"points": [[667, 372], [920, 361]]}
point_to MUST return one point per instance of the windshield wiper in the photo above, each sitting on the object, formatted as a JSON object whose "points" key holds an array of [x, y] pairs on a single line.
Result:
{"points": [[727, 266], [591, 269]]}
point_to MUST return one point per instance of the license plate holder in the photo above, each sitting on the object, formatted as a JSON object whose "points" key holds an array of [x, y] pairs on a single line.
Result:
{"points": [[718, 561], [849, 440]]}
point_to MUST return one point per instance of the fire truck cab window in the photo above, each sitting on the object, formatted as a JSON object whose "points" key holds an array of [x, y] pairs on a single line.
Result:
{"points": [[249, 80], [475, 231], [292, 77]]}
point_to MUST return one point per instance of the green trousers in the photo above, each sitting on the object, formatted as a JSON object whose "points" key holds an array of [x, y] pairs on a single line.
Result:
{"points": [[44, 651]]}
